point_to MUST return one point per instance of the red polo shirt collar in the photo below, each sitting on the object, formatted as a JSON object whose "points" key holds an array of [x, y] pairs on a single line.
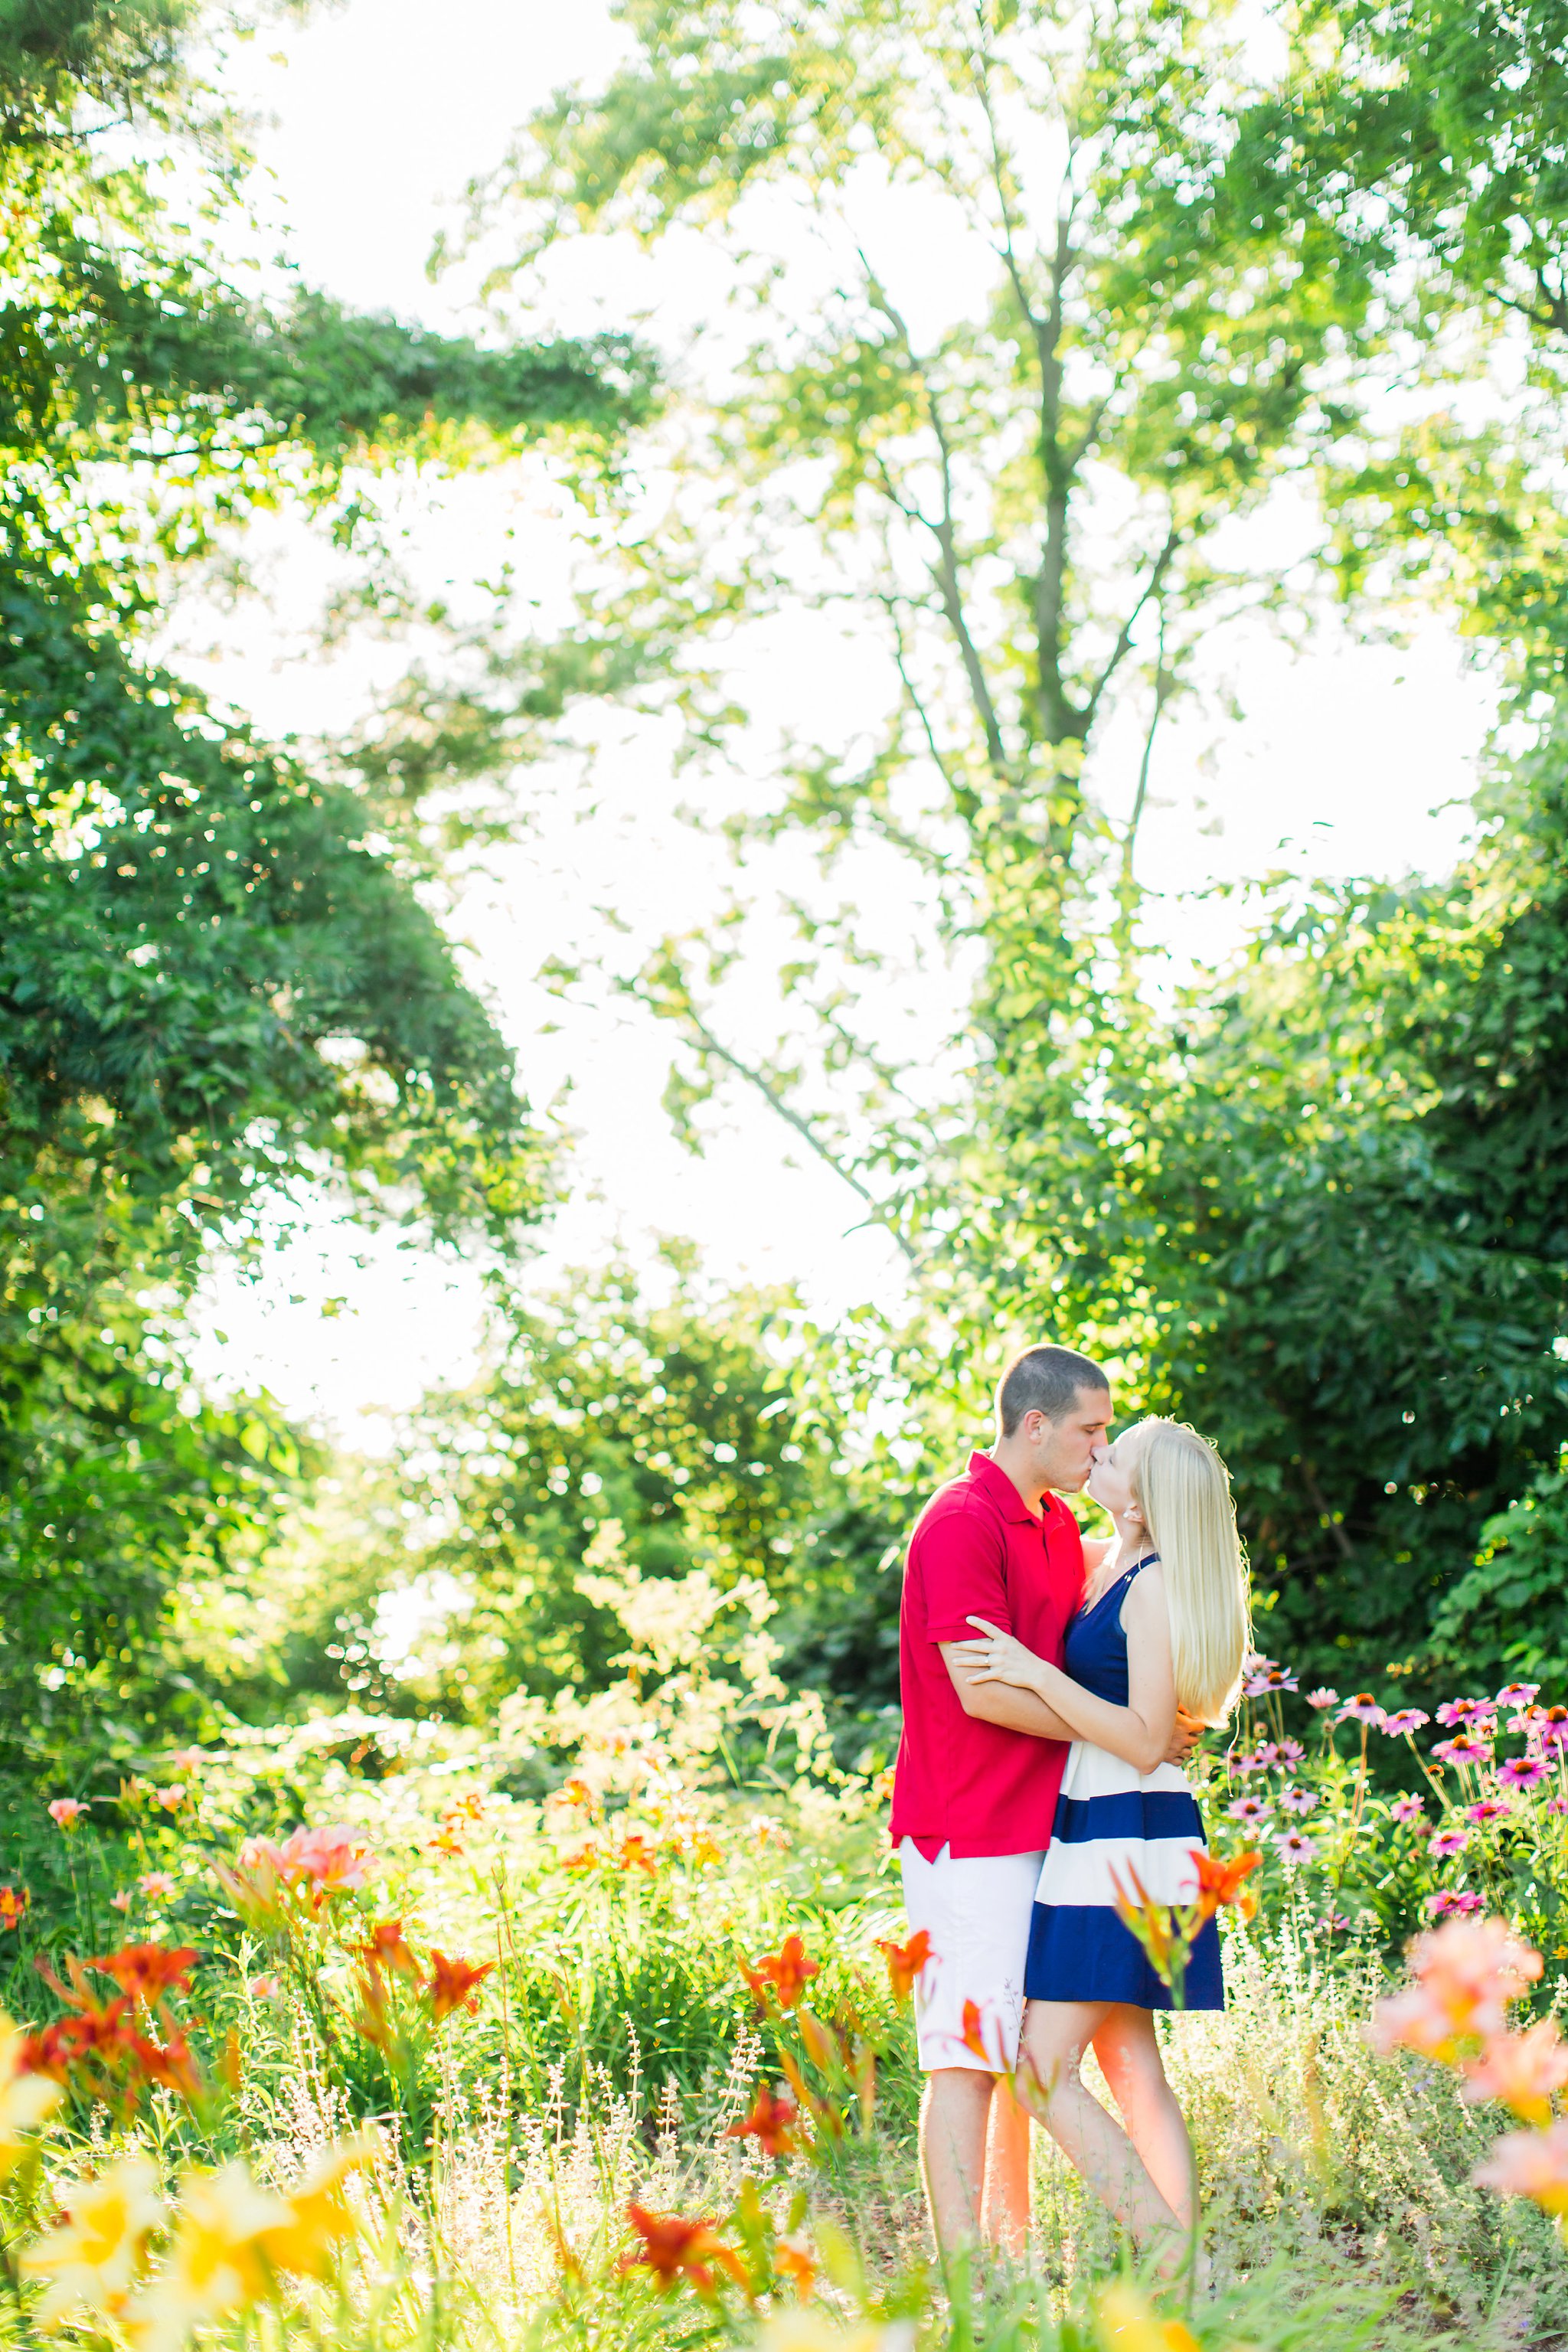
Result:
{"points": [[1003, 1493]]}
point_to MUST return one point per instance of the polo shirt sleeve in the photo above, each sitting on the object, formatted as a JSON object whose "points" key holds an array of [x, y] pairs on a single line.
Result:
{"points": [[962, 1562]]}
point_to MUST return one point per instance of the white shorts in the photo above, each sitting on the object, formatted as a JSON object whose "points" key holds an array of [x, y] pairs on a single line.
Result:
{"points": [[978, 1912]]}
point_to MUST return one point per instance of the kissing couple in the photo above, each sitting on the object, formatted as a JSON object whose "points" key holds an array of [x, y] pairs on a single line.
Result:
{"points": [[1053, 1687]]}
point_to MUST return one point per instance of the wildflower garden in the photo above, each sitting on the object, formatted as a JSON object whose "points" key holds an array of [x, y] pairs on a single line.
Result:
{"points": [[814, 551]]}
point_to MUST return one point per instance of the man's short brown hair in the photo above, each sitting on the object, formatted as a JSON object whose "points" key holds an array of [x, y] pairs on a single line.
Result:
{"points": [[1044, 1378]]}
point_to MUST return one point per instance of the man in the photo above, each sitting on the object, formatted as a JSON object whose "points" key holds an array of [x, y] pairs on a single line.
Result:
{"points": [[978, 1772]]}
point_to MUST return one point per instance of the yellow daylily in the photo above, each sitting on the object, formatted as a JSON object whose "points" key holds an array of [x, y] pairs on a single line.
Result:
{"points": [[92, 2259], [1126, 2321], [320, 2217], [25, 2098], [217, 2264]]}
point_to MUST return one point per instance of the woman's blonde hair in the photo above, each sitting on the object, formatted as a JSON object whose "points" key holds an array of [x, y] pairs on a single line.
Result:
{"points": [[1182, 1489]]}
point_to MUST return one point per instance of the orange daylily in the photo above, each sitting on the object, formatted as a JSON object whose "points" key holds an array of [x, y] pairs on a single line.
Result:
{"points": [[13, 1901], [385, 1948], [906, 1961], [770, 2123], [673, 2248], [974, 2034], [633, 1853], [796, 2262], [786, 1973], [452, 1985], [147, 1971], [1219, 1878]]}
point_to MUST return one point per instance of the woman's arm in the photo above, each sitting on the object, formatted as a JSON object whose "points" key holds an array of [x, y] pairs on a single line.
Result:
{"points": [[1140, 1732]]}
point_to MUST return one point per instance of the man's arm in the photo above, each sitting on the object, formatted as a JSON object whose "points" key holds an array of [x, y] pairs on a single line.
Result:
{"points": [[1015, 1710]]}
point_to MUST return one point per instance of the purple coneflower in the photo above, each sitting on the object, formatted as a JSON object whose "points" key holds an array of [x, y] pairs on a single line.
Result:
{"points": [[1248, 1809], [1242, 1765], [1362, 1708], [1322, 1698], [1550, 1736], [1297, 1800], [1557, 1804], [1407, 1809], [1294, 1847], [1523, 1772], [1266, 1753], [1516, 1694], [1463, 1710], [1404, 1721], [1491, 1808], [1287, 1755], [1444, 1906], [1526, 1719], [1255, 1662], [1463, 1749], [1448, 1841]]}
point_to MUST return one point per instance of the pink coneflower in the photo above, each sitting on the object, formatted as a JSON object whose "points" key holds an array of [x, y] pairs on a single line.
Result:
{"points": [[1526, 1719], [1335, 1923], [1491, 1808], [156, 1886], [1450, 1902], [1255, 1662], [1463, 1749], [1266, 1753], [1255, 1685], [1557, 1804], [1407, 1809], [1516, 1694], [1448, 1841], [1404, 1721], [1464, 1710], [1294, 1847], [1297, 1800], [1322, 1698], [1270, 1678], [1362, 1708], [1248, 1809], [1244, 1765], [1287, 1755], [1523, 1772], [66, 1811], [1551, 1732]]}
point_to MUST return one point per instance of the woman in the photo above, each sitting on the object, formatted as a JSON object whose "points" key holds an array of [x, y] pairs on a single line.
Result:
{"points": [[1163, 1622]]}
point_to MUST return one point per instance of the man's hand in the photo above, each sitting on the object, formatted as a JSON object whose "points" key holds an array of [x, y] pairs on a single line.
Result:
{"points": [[1186, 1736]]}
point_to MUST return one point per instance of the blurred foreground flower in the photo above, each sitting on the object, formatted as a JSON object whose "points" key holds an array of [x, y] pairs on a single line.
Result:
{"points": [[453, 1984], [770, 2123], [674, 2248], [786, 1973], [147, 1971], [1520, 2070], [25, 2097], [1126, 2321], [812, 2331], [907, 1962], [1533, 2164], [1466, 1971], [93, 2258]]}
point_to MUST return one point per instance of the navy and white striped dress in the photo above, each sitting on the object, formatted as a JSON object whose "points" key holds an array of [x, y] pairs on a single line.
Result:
{"points": [[1111, 1817]]}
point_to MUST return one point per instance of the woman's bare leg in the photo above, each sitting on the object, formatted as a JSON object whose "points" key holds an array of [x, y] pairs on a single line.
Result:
{"points": [[1129, 2053], [1055, 2035]]}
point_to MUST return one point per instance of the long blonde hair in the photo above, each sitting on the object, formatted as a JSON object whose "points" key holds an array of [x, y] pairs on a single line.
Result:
{"points": [[1182, 1489]]}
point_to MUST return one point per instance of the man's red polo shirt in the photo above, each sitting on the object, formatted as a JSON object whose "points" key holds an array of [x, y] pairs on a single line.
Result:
{"points": [[979, 1550]]}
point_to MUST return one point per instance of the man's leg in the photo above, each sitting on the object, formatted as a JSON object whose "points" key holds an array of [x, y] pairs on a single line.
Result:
{"points": [[953, 2116], [1005, 2210]]}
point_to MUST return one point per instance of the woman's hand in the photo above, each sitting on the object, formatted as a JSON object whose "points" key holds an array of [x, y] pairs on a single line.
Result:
{"points": [[1000, 1658]]}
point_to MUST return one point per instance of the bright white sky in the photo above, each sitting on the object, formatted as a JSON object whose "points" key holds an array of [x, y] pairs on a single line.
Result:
{"points": [[1353, 755]]}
